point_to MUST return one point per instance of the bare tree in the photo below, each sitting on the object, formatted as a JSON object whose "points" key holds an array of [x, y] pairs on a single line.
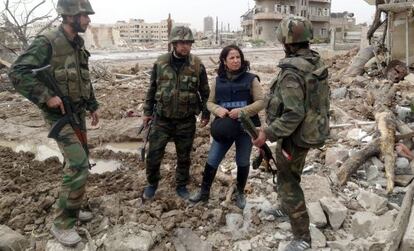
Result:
{"points": [[17, 18]]}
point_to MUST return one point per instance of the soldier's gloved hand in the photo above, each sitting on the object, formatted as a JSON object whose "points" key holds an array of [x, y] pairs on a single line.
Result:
{"points": [[95, 118], [56, 102], [146, 120], [260, 140], [222, 112]]}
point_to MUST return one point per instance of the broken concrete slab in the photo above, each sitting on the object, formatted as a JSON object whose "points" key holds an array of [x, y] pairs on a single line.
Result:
{"points": [[318, 238], [12, 240], [363, 224], [372, 202], [186, 240], [407, 242], [335, 210], [316, 214], [403, 180]]}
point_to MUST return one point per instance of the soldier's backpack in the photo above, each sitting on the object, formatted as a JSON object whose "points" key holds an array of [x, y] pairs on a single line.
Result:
{"points": [[314, 130]]}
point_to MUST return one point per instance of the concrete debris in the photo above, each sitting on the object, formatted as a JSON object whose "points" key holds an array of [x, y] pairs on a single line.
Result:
{"points": [[372, 202], [316, 214], [335, 210], [12, 240], [356, 216], [186, 240]]}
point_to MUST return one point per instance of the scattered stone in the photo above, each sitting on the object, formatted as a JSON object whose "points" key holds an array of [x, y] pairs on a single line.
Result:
{"points": [[53, 245], [378, 163], [318, 238], [12, 240], [242, 246], [363, 224], [316, 214], [339, 93], [335, 210], [403, 180], [372, 202], [334, 155], [402, 163], [186, 240]]}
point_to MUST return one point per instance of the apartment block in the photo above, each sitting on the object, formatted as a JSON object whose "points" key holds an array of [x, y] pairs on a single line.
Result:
{"points": [[137, 30], [208, 25], [262, 21]]}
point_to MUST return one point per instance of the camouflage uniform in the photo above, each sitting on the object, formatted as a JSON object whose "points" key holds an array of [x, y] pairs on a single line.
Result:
{"points": [[178, 92], [69, 61], [287, 110]]}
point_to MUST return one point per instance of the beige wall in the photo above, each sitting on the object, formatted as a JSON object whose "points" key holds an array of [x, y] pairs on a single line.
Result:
{"points": [[398, 38]]}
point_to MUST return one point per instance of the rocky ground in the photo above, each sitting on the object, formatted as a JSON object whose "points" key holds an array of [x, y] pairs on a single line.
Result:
{"points": [[352, 217]]}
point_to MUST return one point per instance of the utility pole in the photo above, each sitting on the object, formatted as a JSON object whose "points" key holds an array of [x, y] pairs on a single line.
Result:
{"points": [[169, 26]]}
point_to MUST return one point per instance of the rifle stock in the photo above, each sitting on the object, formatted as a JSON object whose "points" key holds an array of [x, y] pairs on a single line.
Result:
{"points": [[266, 155]]}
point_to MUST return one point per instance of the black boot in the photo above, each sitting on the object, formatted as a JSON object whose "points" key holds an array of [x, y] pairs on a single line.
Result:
{"points": [[242, 175], [208, 178]]}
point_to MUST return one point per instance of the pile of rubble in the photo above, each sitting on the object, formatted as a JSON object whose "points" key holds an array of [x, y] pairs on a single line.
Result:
{"points": [[357, 187]]}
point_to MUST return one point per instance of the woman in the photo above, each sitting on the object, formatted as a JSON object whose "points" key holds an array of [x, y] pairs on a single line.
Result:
{"points": [[235, 90]]}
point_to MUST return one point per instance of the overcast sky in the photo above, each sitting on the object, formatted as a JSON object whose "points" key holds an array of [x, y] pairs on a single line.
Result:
{"points": [[193, 11]]}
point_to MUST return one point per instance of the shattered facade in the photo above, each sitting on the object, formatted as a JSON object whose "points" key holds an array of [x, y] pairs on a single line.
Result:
{"points": [[262, 21], [136, 31]]}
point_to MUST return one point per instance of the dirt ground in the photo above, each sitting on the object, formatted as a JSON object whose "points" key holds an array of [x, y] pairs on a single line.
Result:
{"points": [[29, 184]]}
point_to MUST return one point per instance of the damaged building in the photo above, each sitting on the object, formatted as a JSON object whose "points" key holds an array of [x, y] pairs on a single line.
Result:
{"points": [[399, 34], [261, 22]]}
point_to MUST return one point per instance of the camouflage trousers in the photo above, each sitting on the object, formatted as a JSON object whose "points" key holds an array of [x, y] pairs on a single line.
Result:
{"points": [[75, 173], [181, 132], [289, 189]]}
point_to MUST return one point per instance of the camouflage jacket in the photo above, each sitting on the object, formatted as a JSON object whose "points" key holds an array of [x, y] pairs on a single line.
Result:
{"points": [[286, 103], [177, 90], [73, 79]]}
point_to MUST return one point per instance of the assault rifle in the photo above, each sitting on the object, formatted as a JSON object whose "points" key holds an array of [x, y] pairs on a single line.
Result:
{"points": [[70, 116], [265, 155], [142, 149]]}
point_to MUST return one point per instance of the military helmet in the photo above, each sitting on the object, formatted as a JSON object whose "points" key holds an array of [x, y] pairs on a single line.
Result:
{"points": [[225, 129], [294, 29], [181, 33], [74, 7]]}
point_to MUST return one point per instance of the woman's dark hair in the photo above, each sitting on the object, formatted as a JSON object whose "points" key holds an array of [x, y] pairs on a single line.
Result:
{"points": [[245, 65]]}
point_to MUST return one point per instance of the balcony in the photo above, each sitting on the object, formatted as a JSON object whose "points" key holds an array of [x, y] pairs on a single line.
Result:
{"points": [[268, 16], [247, 22], [319, 19]]}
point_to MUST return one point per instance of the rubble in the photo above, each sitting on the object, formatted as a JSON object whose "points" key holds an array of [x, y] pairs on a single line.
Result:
{"points": [[344, 183]]}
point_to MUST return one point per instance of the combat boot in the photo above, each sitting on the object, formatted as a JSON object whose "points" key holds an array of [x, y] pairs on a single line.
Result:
{"points": [[242, 175], [182, 191], [149, 191], [85, 216], [67, 237], [297, 245], [208, 178]]}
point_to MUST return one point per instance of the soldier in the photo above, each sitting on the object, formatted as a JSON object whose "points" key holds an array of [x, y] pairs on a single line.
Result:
{"points": [[178, 92], [64, 50], [297, 118]]}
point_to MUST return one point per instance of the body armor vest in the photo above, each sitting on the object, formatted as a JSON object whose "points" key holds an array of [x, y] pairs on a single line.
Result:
{"points": [[236, 93], [69, 67], [177, 94]]}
